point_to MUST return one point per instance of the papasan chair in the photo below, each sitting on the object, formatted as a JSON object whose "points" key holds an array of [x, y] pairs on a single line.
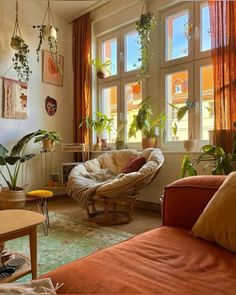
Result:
{"points": [[101, 183]]}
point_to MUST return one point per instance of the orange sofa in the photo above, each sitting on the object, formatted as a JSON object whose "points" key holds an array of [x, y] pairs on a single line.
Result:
{"points": [[166, 260]]}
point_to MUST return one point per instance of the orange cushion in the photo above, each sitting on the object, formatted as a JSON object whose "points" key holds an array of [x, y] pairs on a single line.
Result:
{"points": [[134, 165], [40, 194]]}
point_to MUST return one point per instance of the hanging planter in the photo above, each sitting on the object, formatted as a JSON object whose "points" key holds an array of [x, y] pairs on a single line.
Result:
{"points": [[20, 59], [144, 26], [48, 32]]}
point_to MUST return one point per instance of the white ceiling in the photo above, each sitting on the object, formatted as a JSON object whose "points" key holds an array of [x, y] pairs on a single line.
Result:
{"points": [[71, 9]]}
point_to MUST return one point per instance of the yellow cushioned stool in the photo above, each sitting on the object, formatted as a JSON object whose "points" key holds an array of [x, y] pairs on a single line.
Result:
{"points": [[41, 198]]}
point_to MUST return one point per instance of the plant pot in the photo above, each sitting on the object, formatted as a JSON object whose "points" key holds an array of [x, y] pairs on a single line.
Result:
{"points": [[48, 145], [100, 75], [190, 145], [49, 31], [10, 199], [149, 143], [16, 42], [98, 145], [120, 144]]}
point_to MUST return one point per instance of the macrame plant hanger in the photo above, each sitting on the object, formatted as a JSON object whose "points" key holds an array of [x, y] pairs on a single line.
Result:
{"points": [[48, 14], [16, 31]]}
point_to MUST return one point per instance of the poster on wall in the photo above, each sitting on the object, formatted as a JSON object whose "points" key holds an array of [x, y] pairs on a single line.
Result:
{"points": [[50, 106], [51, 73], [15, 99]]}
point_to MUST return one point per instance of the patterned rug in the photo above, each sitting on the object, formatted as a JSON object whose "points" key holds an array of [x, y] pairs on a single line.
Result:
{"points": [[68, 239]]}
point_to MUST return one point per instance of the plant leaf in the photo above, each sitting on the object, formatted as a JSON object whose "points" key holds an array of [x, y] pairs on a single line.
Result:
{"points": [[181, 112]]}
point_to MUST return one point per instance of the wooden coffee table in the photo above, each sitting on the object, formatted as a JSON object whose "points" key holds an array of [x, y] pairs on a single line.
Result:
{"points": [[18, 223]]}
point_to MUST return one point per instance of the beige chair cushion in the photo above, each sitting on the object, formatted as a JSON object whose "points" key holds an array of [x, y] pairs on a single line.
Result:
{"points": [[217, 223]]}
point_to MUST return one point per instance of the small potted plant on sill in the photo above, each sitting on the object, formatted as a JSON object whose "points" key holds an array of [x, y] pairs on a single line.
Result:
{"points": [[49, 139], [101, 124], [147, 123], [101, 67], [13, 196]]}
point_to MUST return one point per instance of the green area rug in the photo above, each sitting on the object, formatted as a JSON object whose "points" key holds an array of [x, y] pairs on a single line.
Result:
{"points": [[68, 240]]}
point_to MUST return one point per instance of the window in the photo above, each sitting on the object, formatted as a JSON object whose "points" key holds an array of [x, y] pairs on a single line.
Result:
{"points": [[119, 92], [187, 74]]}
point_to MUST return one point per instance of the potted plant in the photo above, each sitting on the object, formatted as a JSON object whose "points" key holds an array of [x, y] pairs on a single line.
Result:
{"points": [[16, 42], [49, 139], [145, 122], [101, 67], [99, 125], [12, 196], [144, 26]]}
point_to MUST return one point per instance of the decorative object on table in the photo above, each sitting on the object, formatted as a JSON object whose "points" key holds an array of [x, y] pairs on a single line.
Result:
{"points": [[145, 24], [53, 179], [66, 169], [144, 122], [102, 67], [50, 106], [190, 144], [49, 32], [221, 161], [101, 124], [15, 99], [14, 196], [51, 74], [49, 139], [20, 59]]}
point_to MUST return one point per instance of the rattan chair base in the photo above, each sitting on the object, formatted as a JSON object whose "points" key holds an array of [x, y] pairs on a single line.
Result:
{"points": [[114, 211]]}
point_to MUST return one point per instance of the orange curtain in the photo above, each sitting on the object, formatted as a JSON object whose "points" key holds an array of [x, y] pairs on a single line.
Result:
{"points": [[82, 75]]}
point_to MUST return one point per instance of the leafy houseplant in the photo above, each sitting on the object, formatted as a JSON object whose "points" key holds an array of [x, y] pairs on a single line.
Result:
{"points": [[101, 67], [145, 122], [144, 26], [49, 139], [99, 125], [14, 197]]}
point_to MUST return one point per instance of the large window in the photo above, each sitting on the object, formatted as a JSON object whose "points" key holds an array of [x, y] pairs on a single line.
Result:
{"points": [[187, 75], [119, 92]]}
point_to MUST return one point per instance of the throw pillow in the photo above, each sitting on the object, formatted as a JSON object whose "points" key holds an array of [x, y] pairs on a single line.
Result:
{"points": [[217, 221], [134, 165]]}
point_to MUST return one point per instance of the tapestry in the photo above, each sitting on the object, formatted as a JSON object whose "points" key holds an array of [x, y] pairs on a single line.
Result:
{"points": [[50, 106], [15, 99]]}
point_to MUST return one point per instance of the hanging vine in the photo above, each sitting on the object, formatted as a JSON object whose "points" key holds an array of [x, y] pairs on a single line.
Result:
{"points": [[144, 26]]}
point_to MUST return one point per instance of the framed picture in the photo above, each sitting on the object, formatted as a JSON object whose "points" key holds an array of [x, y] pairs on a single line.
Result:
{"points": [[66, 169], [51, 73]]}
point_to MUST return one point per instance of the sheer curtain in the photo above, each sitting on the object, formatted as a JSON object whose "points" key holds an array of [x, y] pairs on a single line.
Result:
{"points": [[82, 75], [223, 37]]}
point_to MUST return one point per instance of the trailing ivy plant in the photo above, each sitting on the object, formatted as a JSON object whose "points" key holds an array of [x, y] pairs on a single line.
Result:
{"points": [[144, 26], [21, 62]]}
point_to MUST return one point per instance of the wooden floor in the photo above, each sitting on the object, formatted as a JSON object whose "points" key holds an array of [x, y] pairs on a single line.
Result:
{"points": [[143, 219]]}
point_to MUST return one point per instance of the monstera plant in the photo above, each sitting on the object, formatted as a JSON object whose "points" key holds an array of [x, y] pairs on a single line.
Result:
{"points": [[13, 196]]}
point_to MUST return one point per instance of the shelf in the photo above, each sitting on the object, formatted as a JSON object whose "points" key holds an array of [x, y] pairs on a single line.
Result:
{"points": [[20, 272]]}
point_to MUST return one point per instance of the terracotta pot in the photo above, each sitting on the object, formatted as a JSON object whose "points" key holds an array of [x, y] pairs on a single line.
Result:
{"points": [[16, 42], [10, 199], [49, 31], [190, 145], [48, 145], [149, 143], [100, 75]]}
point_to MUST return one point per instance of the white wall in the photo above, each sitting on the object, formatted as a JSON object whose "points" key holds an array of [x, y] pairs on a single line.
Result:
{"points": [[12, 130]]}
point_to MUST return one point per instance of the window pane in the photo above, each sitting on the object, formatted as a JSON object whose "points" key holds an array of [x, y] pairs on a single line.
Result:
{"points": [[132, 53], [176, 94], [109, 107], [205, 28], [176, 39], [133, 97], [109, 53], [207, 101]]}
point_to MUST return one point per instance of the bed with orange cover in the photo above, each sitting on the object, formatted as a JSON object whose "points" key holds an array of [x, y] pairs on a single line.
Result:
{"points": [[166, 260]]}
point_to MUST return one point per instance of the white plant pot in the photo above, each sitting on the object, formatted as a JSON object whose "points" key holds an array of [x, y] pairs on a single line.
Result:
{"points": [[190, 145], [49, 31]]}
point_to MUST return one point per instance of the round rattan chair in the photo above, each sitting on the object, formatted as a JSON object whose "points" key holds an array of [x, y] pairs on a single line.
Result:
{"points": [[111, 201]]}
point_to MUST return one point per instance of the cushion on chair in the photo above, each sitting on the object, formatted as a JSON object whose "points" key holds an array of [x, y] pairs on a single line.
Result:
{"points": [[217, 221], [39, 194], [134, 165]]}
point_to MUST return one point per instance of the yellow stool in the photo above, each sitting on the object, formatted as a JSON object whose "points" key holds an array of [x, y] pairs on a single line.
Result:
{"points": [[41, 199]]}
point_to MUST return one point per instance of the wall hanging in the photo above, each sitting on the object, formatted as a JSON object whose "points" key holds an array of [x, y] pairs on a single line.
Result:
{"points": [[15, 99], [51, 73], [50, 106], [49, 33], [20, 59]]}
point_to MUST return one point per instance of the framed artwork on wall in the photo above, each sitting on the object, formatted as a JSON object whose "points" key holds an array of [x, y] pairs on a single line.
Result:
{"points": [[51, 73]]}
